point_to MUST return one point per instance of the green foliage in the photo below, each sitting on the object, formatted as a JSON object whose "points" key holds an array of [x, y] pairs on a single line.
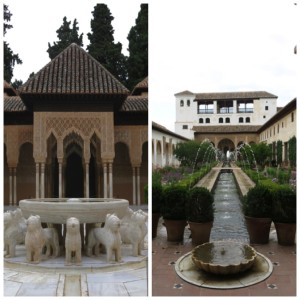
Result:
{"points": [[258, 202], [66, 36], [262, 153], [174, 202], [156, 192], [284, 206], [102, 46], [279, 152], [200, 205], [292, 151], [138, 49], [10, 58], [193, 153]]}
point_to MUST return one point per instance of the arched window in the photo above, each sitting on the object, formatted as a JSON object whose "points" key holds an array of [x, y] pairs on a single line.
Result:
{"points": [[220, 120], [248, 120], [241, 120], [227, 120], [181, 103], [188, 102], [207, 120], [201, 120]]}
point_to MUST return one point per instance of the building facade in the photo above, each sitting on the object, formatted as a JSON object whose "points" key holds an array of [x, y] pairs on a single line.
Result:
{"points": [[73, 130], [164, 142]]}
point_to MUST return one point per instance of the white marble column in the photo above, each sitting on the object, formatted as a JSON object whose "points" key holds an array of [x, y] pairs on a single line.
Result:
{"points": [[105, 180], [60, 179], [87, 180], [42, 180], [133, 186], [110, 174], [138, 190], [37, 180], [10, 186]]}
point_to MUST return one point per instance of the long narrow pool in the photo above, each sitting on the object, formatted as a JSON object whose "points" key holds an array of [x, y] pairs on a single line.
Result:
{"points": [[229, 223]]}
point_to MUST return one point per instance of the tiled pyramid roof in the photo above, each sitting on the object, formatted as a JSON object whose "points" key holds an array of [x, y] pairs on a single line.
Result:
{"points": [[141, 87], [135, 103], [73, 71]]}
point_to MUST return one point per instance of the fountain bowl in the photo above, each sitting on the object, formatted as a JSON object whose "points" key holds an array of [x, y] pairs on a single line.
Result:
{"points": [[86, 210], [224, 257]]}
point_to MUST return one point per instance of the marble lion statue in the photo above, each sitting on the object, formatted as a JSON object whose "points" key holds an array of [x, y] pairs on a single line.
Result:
{"points": [[14, 231], [73, 242], [51, 242], [134, 231], [34, 239], [108, 236]]}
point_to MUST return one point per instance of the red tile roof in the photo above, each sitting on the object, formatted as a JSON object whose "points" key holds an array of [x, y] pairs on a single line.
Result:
{"points": [[73, 71]]}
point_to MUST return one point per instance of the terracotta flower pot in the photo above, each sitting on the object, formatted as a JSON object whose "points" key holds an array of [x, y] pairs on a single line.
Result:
{"points": [[200, 232], [258, 229], [286, 233], [175, 229]]}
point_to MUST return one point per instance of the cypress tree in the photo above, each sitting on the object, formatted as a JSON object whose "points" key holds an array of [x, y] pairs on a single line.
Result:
{"points": [[66, 36], [138, 48], [102, 46]]}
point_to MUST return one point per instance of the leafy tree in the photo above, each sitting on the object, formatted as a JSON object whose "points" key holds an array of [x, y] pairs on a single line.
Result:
{"points": [[292, 151], [66, 36], [17, 83], [192, 153], [10, 59], [102, 46], [279, 152], [138, 48], [262, 153]]}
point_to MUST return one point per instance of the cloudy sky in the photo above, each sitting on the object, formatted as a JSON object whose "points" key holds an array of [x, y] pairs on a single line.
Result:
{"points": [[197, 45]]}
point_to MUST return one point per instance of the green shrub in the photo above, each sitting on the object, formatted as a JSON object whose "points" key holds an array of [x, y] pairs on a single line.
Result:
{"points": [[284, 206], [156, 192], [173, 202], [258, 202], [200, 205]]}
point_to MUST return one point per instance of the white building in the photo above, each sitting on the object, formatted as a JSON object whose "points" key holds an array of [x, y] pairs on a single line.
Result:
{"points": [[164, 142], [218, 109]]}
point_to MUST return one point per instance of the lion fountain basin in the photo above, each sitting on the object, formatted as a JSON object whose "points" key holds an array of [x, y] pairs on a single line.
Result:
{"points": [[224, 257], [86, 210]]}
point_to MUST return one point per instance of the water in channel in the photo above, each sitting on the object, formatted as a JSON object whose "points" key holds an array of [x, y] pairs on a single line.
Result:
{"points": [[229, 223]]}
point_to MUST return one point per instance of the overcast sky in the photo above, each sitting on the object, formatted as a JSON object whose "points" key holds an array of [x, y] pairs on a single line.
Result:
{"points": [[197, 45]]}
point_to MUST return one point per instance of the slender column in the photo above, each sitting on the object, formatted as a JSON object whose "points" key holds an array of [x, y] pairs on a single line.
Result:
{"points": [[215, 107], [15, 186], [37, 180], [105, 179], [42, 180], [133, 186], [60, 179], [138, 186], [110, 170], [10, 187], [154, 162], [87, 181]]}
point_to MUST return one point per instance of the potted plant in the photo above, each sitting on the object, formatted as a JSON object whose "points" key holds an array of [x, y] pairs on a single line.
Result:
{"points": [[284, 215], [200, 214], [257, 207], [173, 211], [156, 201]]}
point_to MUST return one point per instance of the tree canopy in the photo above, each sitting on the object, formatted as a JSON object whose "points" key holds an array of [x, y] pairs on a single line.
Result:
{"points": [[138, 48], [102, 46], [10, 58], [66, 36]]}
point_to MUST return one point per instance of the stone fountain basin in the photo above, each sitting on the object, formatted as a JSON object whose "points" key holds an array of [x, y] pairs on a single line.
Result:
{"points": [[224, 257], [86, 210]]}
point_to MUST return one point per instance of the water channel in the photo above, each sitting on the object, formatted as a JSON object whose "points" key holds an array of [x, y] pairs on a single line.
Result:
{"points": [[229, 223]]}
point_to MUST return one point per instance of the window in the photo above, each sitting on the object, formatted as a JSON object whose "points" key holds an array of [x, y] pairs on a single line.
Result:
{"points": [[188, 102], [266, 107], [206, 107], [227, 120], [207, 120], [201, 120], [241, 120], [292, 115], [264, 117], [181, 103], [248, 120], [277, 128], [245, 106], [225, 107], [184, 127], [220, 120]]}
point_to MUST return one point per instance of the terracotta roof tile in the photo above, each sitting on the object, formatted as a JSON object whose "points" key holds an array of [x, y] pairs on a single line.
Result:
{"points": [[14, 104], [135, 103], [141, 87], [73, 71]]}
